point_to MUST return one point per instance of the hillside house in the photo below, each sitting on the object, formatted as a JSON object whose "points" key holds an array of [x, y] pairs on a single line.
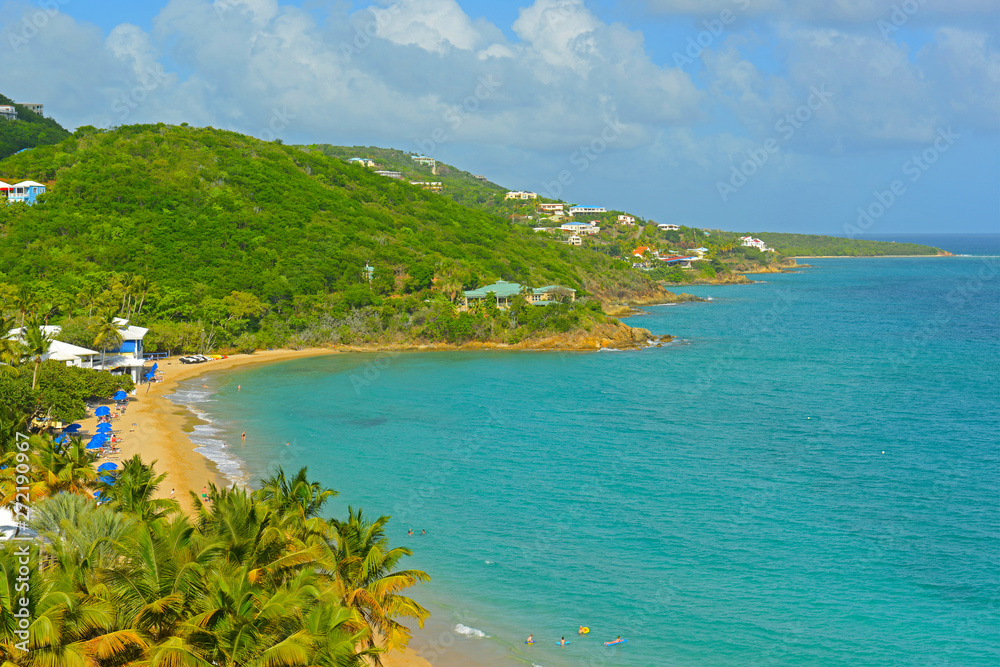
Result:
{"points": [[580, 228], [433, 186], [751, 242], [552, 208], [518, 194], [391, 174], [479, 177], [25, 191], [31, 106], [504, 293], [8, 112], [665, 227], [626, 220], [587, 210], [363, 161], [574, 240], [423, 159]]}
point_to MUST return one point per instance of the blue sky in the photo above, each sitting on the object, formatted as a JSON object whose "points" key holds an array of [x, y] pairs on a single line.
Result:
{"points": [[874, 116]]}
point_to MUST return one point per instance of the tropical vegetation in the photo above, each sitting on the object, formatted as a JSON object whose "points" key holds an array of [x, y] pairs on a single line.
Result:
{"points": [[28, 131], [251, 578]]}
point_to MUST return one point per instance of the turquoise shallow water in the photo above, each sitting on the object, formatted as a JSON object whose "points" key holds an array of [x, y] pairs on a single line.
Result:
{"points": [[810, 475]]}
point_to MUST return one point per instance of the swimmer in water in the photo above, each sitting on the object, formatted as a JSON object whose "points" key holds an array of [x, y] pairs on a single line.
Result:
{"points": [[562, 642], [530, 639]]}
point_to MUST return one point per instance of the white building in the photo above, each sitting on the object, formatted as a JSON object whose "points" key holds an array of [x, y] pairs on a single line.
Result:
{"points": [[626, 220], [31, 106], [433, 186], [391, 174], [751, 242], [587, 210], [8, 112], [551, 208], [518, 194], [668, 228], [574, 240], [127, 358], [423, 159], [580, 228]]}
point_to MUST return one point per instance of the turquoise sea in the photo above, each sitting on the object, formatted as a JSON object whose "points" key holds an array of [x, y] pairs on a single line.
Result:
{"points": [[809, 475]]}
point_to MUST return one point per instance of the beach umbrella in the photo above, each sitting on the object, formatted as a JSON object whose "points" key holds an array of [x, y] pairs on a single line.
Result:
{"points": [[97, 442], [72, 428], [120, 395], [104, 427], [62, 440], [107, 466], [102, 411], [107, 479]]}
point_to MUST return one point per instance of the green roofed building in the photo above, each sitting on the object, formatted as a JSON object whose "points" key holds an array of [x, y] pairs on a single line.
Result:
{"points": [[504, 292]]}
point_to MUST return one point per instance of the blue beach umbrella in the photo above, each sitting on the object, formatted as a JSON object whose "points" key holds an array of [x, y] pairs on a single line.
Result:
{"points": [[62, 440], [103, 427], [120, 395], [102, 411], [107, 466], [101, 498], [72, 428], [107, 479], [97, 442]]}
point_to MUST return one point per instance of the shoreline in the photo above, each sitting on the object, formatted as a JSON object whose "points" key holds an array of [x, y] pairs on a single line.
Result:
{"points": [[159, 430]]}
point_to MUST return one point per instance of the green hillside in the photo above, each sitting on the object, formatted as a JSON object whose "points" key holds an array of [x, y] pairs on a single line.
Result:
{"points": [[804, 245], [28, 131], [244, 236]]}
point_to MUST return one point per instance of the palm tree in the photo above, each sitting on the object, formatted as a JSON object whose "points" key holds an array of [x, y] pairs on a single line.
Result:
{"points": [[106, 332], [367, 583], [25, 303], [133, 488], [36, 343], [68, 469], [300, 496], [10, 347]]}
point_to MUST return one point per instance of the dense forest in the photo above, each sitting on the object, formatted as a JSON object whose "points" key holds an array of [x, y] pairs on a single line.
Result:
{"points": [[217, 237], [28, 131]]}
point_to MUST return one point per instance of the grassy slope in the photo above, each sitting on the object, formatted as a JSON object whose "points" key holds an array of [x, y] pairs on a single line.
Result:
{"points": [[799, 245], [28, 131], [205, 212]]}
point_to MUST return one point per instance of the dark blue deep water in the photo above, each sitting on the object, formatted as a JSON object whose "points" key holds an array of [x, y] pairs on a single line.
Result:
{"points": [[809, 475]]}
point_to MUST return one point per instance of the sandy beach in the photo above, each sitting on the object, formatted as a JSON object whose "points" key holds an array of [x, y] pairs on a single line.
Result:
{"points": [[157, 429]]}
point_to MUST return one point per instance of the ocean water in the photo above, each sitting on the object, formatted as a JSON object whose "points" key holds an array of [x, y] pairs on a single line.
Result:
{"points": [[810, 475]]}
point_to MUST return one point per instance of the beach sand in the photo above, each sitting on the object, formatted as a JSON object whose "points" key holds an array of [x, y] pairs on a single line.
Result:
{"points": [[156, 429]]}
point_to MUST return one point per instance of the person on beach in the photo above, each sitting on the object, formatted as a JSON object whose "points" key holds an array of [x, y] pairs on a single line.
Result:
{"points": [[171, 493], [204, 494]]}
